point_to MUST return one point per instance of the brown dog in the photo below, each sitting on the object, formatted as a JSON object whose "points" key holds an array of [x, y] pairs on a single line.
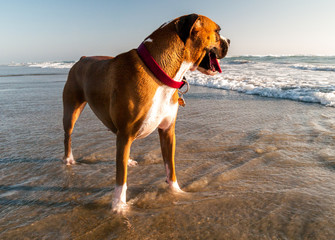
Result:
{"points": [[129, 97]]}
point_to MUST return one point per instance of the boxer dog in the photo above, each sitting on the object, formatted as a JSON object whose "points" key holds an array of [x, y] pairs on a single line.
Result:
{"points": [[137, 92]]}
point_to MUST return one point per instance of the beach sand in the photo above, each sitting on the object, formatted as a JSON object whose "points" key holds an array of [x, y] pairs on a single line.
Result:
{"points": [[251, 167]]}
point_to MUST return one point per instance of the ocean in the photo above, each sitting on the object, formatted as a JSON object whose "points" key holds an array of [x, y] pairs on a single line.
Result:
{"points": [[299, 78], [255, 156]]}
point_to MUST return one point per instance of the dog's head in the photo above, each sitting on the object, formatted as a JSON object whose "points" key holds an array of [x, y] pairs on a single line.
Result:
{"points": [[203, 43]]}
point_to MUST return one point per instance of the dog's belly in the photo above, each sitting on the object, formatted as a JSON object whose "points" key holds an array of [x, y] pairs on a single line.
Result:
{"points": [[162, 113]]}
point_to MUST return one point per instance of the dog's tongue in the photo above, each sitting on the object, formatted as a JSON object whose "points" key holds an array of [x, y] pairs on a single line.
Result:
{"points": [[215, 62]]}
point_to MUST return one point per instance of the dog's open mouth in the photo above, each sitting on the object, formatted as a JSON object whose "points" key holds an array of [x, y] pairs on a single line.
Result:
{"points": [[210, 64]]}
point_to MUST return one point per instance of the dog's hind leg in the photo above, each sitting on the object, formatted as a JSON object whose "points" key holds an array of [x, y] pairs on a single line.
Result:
{"points": [[73, 105]]}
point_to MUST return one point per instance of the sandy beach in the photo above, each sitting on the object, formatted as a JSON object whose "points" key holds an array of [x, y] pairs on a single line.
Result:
{"points": [[252, 168]]}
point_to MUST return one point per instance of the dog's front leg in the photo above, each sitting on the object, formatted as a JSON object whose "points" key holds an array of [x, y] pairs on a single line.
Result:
{"points": [[123, 144], [168, 145]]}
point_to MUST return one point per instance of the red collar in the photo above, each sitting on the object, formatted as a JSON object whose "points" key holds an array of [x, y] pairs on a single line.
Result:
{"points": [[150, 62]]}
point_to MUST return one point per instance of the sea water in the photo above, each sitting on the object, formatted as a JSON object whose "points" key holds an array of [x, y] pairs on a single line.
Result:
{"points": [[252, 167], [299, 78]]}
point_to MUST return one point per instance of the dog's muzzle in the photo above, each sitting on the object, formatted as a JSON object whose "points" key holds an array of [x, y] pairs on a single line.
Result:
{"points": [[210, 64], [225, 43]]}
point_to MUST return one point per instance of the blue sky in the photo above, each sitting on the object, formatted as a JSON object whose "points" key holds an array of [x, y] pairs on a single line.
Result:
{"points": [[32, 31]]}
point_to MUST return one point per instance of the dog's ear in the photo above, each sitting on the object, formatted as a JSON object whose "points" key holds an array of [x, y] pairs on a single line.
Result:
{"points": [[184, 26]]}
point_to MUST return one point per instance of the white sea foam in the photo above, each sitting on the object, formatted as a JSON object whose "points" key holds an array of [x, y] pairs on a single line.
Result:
{"points": [[52, 64], [314, 67], [56, 64], [299, 78]]}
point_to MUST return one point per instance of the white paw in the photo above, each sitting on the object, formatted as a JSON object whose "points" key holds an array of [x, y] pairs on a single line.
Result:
{"points": [[132, 163], [174, 187], [69, 160], [119, 204]]}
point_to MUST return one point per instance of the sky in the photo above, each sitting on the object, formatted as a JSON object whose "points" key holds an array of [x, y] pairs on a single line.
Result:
{"points": [[59, 30]]}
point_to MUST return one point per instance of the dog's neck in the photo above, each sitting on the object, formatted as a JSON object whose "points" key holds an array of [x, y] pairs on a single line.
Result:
{"points": [[169, 52], [159, 73]]}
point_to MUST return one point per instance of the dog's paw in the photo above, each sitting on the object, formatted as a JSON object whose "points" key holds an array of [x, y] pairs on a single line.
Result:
{"points": [[119, 207], [174, 187], [132, 163], [69, 160], [119, 204]]}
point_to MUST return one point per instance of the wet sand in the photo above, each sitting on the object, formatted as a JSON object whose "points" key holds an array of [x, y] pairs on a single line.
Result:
{"points": [[252, 168]]}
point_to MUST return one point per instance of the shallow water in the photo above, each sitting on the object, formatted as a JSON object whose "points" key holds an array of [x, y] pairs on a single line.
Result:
{"points": [[252, 168]]}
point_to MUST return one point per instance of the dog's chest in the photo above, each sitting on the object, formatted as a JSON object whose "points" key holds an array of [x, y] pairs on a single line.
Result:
{"points": [[162, 112]]}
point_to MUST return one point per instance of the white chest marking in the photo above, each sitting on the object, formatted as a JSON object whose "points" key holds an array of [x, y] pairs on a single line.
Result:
{"points": [[185, 66], [163, 111]]}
